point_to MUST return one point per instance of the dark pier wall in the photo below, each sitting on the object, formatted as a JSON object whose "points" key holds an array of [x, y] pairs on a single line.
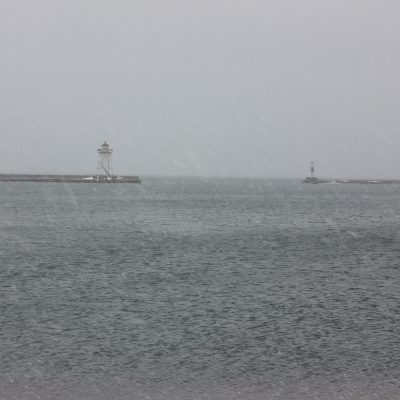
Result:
{"points": [[354, 181], [67, 178]]}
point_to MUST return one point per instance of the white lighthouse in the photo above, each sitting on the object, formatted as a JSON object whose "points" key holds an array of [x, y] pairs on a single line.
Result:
{"points": [[104, 169]]}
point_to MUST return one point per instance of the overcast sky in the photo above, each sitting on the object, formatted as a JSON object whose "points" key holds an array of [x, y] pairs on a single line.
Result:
{"points": [[207, 87]]}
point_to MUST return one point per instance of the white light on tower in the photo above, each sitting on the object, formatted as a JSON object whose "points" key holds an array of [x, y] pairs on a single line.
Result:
{"points": [[104, 165]]}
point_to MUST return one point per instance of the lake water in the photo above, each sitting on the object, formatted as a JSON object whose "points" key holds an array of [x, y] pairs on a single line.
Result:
{"points": [[192, 288]]}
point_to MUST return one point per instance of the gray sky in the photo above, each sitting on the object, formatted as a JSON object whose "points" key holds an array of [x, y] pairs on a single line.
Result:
{"points": [[207, 87]]}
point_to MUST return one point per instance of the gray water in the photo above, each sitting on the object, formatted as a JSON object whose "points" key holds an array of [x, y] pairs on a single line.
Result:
{"points": [[199, 289]]}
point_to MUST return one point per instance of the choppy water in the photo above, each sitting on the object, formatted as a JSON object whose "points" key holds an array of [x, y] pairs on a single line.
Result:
{"points": [[199, 289]]}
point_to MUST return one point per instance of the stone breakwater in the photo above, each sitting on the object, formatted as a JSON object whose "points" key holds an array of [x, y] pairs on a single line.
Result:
{"points": [[357, 181], [68, 178]]}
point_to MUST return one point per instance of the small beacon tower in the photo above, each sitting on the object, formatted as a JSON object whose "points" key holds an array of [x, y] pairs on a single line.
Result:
{"points": [[104, 169], [311, 178], [312, 169]]}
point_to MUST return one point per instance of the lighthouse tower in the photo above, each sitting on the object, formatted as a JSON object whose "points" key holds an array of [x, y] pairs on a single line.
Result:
{"points": [[312, 169], [104, 170]]}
